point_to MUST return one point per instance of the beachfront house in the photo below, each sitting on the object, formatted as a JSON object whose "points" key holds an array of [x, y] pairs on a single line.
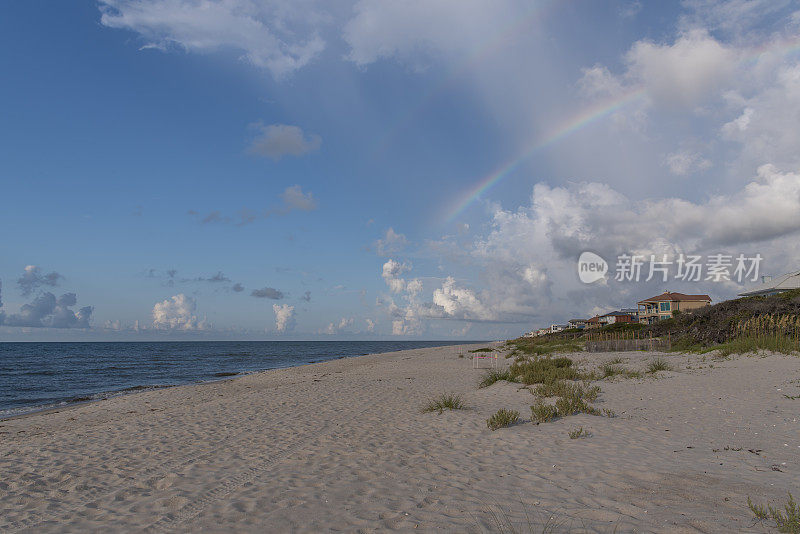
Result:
{"points": [[617, 317], [773, 286], [665, 305], [577, 323], [557, 328]]}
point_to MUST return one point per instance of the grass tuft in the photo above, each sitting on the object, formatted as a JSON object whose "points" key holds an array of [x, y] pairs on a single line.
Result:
{"points": [[445, 401], [484, 349], [495, 375], [658, 365], [502, 418], [578, 433]]}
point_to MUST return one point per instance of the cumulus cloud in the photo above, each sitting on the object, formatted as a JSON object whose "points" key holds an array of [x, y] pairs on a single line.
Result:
{"points": [[267, 293], [390, 244], [335, 328], [391, 272], [686, 72], [33, 278], [47, 311], [527, 260], [276, 36], [278, 140], [237, 287], [284, 317], [178, 313], [370, 325]]}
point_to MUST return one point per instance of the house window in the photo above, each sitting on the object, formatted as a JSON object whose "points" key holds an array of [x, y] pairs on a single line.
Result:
{"points": [[665, 306], [665, 317]]}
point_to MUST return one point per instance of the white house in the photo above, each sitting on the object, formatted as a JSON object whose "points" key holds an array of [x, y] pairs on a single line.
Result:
{"points": [[773, 286]]}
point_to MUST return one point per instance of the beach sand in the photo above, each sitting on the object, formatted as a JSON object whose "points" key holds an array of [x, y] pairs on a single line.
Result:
{"points": [[342, 446]]}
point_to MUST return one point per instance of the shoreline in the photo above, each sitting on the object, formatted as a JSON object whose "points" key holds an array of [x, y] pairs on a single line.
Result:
{"points": [[342, 444], [132, 390]]}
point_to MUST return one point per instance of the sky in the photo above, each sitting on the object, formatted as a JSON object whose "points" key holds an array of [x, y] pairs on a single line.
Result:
{"points": [[372, 169]]}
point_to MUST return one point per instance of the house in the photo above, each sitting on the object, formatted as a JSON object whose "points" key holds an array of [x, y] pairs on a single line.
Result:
{"points": [[665, 305], [617, 317], [773, 286], [577, 323], [594, 322], [557, 328]]}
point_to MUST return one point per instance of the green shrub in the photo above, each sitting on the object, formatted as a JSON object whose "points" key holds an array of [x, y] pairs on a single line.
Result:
{"points": [[484, 349], [567, 406], [787, 521], [544, 370], [578, 433], [543, 413], [445, 401], [495, 375], [502, 418]]}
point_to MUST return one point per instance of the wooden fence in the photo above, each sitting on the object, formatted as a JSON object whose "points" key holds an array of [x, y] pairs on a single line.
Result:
{"points": [[624, 341]]}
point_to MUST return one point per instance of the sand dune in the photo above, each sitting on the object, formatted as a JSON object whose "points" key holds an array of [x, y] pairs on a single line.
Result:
{"points": [[342, 446]]}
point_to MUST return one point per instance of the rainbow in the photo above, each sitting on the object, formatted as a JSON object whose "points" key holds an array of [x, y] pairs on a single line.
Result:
{"points": [[586, 117], [566, 128]]}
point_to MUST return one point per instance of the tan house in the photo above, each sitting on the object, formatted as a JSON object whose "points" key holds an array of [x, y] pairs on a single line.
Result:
{"points": [[663, 306]]}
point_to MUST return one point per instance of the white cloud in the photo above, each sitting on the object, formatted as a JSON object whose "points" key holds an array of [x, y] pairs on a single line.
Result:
{"points": [[392, 243], [178, 313], [274, 36], [527, 261], [335, 328], [683, 162], [370, 325], [462, 303], [284, 317], [278, 140], [391, 272], [295, 199], [688, 72]]}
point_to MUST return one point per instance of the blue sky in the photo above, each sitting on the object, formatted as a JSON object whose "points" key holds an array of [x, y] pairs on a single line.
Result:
{"points": [[289, 170]]}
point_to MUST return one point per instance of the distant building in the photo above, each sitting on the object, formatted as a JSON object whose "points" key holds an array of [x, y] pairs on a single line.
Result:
{"points": [[665, 305], [618, 317], [557, 328], [594, 322], [577, 323], [773, 286]]}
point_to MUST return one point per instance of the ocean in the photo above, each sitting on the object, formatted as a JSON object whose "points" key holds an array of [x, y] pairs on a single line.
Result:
{"points": [[35, 376]]}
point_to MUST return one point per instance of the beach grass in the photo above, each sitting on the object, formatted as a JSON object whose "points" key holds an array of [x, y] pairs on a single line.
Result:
{"points": [[543, 413], [502, 418], [657, 365], [445, 401], [495, 375], [578, 433], [546, 370], [786, 520]]}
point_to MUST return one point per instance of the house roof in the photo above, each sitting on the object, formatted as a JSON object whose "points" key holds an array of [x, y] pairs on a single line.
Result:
{"points": [[616, 313], [783, 282], [577, 320], [680, 297]]}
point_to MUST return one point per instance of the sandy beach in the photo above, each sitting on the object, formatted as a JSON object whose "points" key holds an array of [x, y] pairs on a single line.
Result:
{"points": [[342, 446]]}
